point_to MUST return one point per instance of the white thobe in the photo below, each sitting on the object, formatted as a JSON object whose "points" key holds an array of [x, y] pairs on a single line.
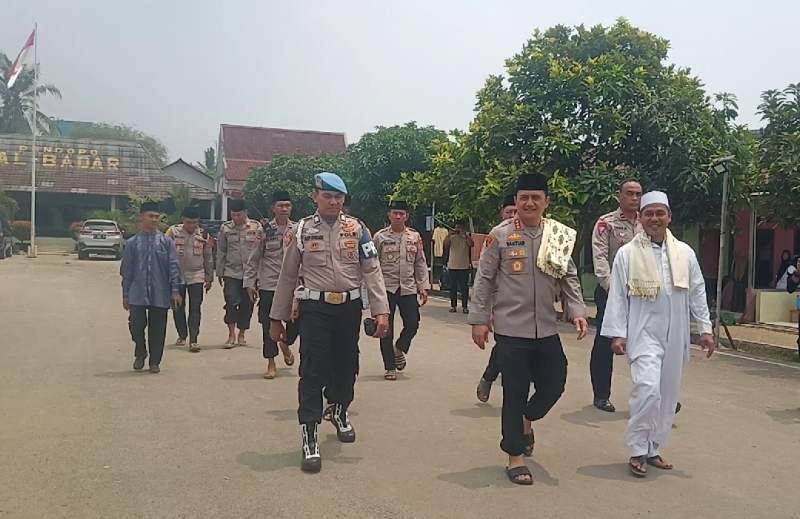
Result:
{"points": [[657, 334]]}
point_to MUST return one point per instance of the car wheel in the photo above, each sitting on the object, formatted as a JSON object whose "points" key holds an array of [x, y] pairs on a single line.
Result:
{"points": [[82, 255]]}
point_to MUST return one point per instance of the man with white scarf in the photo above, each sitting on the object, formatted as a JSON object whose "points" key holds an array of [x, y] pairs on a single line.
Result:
{"points": [[656, 288]]}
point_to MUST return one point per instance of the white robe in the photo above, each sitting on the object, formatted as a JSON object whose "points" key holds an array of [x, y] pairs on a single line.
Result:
{"points": [[657, 334]]}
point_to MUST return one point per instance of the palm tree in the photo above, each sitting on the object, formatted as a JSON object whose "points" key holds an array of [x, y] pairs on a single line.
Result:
{"points": [[16, 103]]}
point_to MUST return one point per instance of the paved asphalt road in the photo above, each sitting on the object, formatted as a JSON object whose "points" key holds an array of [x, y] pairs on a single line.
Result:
{"points": [[81, 435]]}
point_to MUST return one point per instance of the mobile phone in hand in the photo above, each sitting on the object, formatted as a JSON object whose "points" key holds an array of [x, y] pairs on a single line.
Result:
{"points": [[370, 326]]}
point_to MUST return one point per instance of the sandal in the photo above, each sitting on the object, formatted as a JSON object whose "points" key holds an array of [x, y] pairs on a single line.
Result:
{"points": [[659, 463], [288, 356], [399, 359], [390, 375], [180, 342], [516, 475], [638, 466]]}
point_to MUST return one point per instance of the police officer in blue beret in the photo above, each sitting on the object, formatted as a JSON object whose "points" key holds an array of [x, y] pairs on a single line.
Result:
{"points": [[336, 255]]}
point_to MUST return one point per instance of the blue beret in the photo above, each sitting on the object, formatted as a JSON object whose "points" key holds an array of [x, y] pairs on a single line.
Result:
{"points": [[329, 182]]}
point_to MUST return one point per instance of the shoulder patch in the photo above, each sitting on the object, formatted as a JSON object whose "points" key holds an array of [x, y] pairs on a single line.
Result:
{"points": [[602, 227]]}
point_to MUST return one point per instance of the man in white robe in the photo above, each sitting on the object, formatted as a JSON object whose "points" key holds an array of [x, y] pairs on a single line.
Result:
{"points": [[656, 288]]}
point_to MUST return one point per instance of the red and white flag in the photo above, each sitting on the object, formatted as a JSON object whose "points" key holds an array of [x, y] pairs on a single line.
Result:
{"points": [[19, 63]]}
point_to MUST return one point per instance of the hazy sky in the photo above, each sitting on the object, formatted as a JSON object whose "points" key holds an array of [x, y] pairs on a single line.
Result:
{"points": [[177, 69]]}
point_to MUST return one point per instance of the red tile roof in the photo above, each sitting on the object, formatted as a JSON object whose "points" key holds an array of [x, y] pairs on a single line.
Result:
{"points": [[246, 147]]}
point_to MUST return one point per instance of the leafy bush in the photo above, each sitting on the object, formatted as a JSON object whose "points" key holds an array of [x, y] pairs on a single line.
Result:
{"points": [[21, 230]]}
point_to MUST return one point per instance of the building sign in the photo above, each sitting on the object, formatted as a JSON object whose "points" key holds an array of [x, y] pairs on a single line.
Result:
{"points": [[59, 157]]}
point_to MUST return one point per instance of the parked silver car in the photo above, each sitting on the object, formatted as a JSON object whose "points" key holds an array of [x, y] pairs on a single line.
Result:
{"points": [[100, 237]]}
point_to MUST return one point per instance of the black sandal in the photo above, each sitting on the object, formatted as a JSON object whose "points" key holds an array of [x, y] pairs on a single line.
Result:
{"points": [[637, 471], [516, 474]]}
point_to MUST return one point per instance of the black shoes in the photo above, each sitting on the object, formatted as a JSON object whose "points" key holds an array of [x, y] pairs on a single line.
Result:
{"points": [[138, 363], [604, 405], [484, 388], [154, 369], [312, 461], [337, 415]]}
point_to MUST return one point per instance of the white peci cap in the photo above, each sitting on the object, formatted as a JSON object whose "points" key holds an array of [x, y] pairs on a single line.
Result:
{"points": [[654, 197]]}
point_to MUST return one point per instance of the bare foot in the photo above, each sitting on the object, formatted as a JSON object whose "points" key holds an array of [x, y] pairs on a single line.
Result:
{"points": [[271, 369], [242, 341]]}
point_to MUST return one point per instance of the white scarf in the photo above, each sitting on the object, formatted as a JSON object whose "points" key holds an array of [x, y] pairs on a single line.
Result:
{"points": [[558, 240], [643, 278]]}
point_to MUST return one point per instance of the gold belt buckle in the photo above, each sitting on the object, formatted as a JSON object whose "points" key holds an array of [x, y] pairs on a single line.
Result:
{"points": [[334, 298]]}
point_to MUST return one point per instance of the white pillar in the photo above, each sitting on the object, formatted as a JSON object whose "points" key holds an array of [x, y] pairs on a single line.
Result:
{"points": [[213, 210], [224, 214], [113, 203]]}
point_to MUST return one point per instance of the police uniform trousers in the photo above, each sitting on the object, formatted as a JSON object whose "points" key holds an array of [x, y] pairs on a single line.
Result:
{"points": [[192, 328], [492, 370], [154, 320], [409, 313], [601, 365], [328, 355], [238, 307], [270, 347], [523, 360]]}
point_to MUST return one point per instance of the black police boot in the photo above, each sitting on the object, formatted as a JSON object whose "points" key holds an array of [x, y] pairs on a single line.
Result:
{"points": [[337, 414], [312, 461]]}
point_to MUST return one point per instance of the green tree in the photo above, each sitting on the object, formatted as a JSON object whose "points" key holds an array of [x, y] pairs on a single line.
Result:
{"points": [[376, 162], [294, 174], [209, 164], [780, 153], [16, 103], [121, 132], [589, 107], [8, 206]]}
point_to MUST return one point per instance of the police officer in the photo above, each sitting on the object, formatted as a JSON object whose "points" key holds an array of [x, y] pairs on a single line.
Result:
{"points": [[492, 370], [335, 255], [197, 272], [261, 277], [405, 274], [792, 284], [524, 267], [612, 231], [236, 241]]}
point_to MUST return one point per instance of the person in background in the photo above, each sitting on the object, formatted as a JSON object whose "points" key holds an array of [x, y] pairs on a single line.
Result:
{"points": [[781, 276], [236, 241], [459, 243], [792, 284], [197, 273], [405, 274], [261, 278], [612, 231], [492, 370], [151, 283]]}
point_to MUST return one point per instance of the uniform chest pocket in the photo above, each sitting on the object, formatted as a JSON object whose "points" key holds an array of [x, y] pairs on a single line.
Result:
{"points": [[515, 260], [273, 245], [622, 235], [348, 250], [390, 253], [411, 253], [251, 236], [316, 253], [180, 243], [197, 248]]}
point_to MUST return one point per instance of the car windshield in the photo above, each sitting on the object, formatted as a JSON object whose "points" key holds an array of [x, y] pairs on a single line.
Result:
{"points": [[100, 226]]}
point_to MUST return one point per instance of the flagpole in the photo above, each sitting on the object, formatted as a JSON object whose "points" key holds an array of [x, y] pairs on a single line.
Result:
{"points": [[32, 251]]}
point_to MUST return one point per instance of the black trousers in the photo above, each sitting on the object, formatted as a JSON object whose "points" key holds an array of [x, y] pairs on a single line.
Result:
{"points": [[328, 355], [459, 280], [409, 313], [523, 360], [270, 347], [238, 307], [601, 364], [155, 321], [492, 370], [195, 293]]}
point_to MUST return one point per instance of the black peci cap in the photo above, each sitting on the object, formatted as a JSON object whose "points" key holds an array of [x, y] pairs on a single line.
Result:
{"points": [[532, 182], [281, 196], [191, 212], [148, 207], [236, 205]]}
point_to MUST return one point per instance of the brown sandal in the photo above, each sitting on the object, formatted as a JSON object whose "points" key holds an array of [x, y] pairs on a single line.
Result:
{"points": [[659, 463]]}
